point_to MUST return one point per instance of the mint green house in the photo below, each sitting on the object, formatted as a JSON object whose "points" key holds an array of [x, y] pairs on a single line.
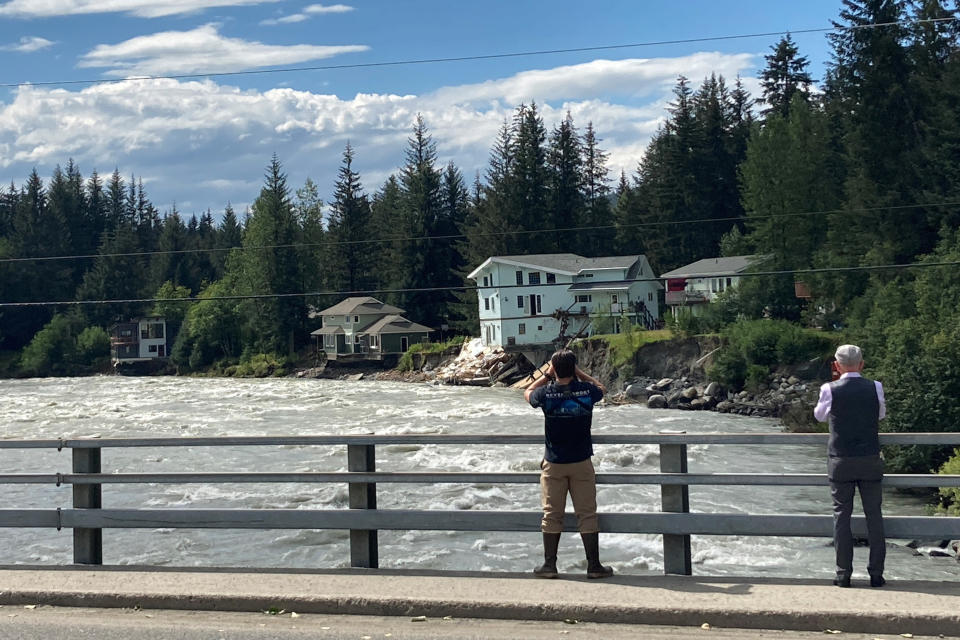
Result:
{"points": [[364, 328]]}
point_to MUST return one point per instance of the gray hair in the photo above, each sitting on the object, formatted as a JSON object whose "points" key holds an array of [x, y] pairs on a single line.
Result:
{"points": [[849, 355]]}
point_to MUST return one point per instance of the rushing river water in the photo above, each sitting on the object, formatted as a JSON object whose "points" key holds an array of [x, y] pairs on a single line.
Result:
{"points": [[153, 407]]}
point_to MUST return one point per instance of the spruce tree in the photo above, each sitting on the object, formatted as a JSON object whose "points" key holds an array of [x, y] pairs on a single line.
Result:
{"points": [[567, 186], [784, 76], [597, 211], [349, 258]]}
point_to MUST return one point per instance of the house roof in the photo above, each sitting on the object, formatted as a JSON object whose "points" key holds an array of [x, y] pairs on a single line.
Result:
{"points": [[713, 266], [326, 331], [396, 324], [357, 306], [566, 263]]}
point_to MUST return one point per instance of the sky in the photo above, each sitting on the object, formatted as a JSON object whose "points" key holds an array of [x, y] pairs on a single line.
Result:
{"points": [[200, 143]]}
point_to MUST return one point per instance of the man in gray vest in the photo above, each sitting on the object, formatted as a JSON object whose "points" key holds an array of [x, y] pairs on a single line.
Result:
{"points": [[854, 406]]}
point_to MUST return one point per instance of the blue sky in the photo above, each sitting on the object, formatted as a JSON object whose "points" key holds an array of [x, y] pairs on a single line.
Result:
{"points": [[200, 143]]}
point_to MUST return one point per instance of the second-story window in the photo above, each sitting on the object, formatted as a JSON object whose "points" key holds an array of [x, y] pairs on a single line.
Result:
{"points": [[534, 277], [551, 278], [356, 319], [519, 302], [493, 303], [486, 281], [486, 304], [346, 319], [519, 277]]}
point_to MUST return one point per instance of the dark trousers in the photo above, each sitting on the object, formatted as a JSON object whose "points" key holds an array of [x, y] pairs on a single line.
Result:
{"points": [[863, 473]]}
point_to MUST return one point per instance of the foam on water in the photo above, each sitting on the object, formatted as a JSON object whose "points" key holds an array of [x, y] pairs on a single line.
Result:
{"points": [[144, 407]]}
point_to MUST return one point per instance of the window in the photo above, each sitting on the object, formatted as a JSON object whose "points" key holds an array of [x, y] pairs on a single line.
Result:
{"points": [[588, 275], [153, 348], [144, 333], [126, 333], [729, 282], [533, 277], [486, 281], [356, 339], [329, 341], [493, 303], [346, 319], [584, 298], [539, 310], [650, 296], [519, 277], [522, 329], [551, 278], [519, 302], [356, 319], [486, 304], [539, 328], [614, 298], [374, 341], [511, 341]]}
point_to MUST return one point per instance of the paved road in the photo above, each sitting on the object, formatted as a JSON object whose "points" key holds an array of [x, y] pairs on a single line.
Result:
{"points": [[56, 623]]}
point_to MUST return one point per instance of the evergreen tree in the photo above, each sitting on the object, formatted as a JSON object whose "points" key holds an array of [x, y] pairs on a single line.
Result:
{"points": [[567, 186], [308, 209], [527, 182], [349, 227], [784, 76], [271, 322], [229, 236], [597, 211]]}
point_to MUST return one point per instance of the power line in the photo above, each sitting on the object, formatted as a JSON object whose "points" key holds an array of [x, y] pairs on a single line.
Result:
{"points": [[267, 296], [747, 217], [492, 56]]}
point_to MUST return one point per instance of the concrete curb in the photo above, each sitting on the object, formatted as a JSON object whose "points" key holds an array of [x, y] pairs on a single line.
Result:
{"points": [[850, 621]]}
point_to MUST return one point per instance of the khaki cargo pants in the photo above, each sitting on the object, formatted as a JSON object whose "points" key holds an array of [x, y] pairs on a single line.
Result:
{"points": [[580, 480]]}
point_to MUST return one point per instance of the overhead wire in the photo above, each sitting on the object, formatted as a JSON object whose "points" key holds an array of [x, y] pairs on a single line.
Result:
{"points": [[465, 288], [491, 56], [747, 217]]}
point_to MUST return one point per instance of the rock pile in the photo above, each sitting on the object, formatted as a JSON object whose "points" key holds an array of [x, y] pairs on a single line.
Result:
{"points": [[773, 398]]}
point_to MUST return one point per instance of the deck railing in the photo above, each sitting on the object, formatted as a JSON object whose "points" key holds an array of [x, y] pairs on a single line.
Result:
{"points": [[675, 521]]}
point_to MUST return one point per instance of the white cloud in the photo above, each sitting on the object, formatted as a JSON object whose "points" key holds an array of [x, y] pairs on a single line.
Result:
{"points": [[200, 50], [333, 8], [203, 144], [313, 9], [28, 44], [141, 8]]}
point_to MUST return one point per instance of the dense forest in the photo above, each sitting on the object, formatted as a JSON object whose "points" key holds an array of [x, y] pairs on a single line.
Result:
{"points": [[859, 169]]}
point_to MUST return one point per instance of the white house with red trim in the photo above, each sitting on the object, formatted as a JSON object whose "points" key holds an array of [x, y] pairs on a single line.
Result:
{"points": [[540, 299]]}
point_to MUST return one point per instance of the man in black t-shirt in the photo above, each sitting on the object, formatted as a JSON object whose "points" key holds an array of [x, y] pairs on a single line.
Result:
{"points": [[567, 395]]}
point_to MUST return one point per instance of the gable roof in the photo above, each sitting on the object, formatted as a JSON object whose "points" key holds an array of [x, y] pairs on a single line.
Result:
{"points": [[395, 324], [565, 263], [713, 266], [357, 306]]}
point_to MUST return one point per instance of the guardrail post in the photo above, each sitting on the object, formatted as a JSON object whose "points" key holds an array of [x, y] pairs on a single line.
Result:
{"points": [[363, 495], [87, 543], [675, 499]]}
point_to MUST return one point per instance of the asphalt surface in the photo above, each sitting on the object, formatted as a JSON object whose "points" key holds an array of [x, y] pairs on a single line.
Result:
{"points": [[55, 623], [918, 608]]}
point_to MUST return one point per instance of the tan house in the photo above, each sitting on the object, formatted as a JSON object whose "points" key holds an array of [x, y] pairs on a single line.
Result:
{"points": [[364, 328]]}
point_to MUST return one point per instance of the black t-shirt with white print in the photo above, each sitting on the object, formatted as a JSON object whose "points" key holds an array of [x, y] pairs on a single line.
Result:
{"points": [[567, 412]]}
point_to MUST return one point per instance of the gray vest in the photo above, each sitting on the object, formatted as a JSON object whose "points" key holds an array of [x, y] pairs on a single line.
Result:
{"points": [[854, 418]]}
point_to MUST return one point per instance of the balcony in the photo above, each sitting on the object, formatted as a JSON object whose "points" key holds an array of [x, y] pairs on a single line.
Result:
{"points": [[685, 297]]}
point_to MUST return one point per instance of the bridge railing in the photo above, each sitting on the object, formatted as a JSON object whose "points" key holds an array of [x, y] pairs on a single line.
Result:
{"points": [[675, 521]]}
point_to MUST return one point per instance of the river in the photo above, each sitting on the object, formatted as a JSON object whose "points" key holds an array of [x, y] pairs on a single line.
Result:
{"points": [[168, 406]]}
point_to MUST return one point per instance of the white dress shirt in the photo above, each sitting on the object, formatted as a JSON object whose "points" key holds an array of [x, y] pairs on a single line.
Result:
{"points": [[822, 410]]}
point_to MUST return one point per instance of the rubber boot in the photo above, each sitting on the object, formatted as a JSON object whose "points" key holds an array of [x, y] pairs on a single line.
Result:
{"points": [[591, 547], [551, 542]]}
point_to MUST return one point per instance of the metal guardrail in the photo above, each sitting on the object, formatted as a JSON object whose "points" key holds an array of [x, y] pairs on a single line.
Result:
{"points": [[675, 522]]}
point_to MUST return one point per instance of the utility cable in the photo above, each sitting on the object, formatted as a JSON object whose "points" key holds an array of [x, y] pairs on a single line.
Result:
{"points": [[492, 56], [465, 288], [748, 217]]}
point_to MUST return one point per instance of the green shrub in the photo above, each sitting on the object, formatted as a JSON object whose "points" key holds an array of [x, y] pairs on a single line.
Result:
{"points": [[50, 350], [93, 346], [729, 369], [684, 323], [756, 375], [406, 360], [950, 496], [261, 365]]}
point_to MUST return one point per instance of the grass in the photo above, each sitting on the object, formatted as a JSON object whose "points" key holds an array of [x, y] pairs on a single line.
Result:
{"points": [[623, 346]]}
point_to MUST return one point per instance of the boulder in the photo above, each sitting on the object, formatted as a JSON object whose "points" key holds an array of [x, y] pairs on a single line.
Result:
{"points": [[690, 393], [698, 403], [713, 389], [657, 402], [725, 407], [663, 384], [636, 392], [793, 380]]}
